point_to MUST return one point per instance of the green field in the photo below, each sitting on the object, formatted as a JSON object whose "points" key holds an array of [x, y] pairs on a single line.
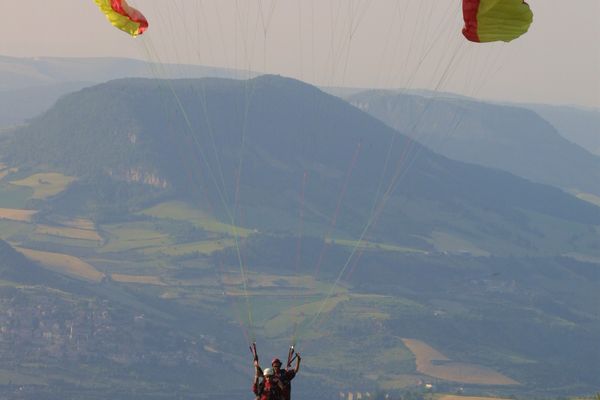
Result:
{"points": [[365, 245], [45, 185], [68, 232], [182, 211], [63, 264], [203, 247], [138, 279], [133, 236], [123, 265], [64, 241], [303, 315]]}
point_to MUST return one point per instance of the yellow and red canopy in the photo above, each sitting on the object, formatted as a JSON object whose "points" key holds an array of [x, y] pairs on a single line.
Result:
{"points": [[123, 16], [494, 20]]}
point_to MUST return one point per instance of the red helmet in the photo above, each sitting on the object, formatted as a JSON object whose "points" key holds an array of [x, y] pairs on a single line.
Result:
{"points": [[276, 361]]}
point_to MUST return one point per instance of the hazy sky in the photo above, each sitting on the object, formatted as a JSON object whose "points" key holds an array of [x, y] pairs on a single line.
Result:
{"points": [[366, 43]]}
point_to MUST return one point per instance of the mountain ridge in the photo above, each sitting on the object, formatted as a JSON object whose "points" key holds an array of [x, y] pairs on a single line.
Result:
{"points": [[190, 176], [152, 131], [510, 138]]}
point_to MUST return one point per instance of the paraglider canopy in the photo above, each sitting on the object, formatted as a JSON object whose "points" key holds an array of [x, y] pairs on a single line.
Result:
{"points": [[124, 17], [495, 20]]}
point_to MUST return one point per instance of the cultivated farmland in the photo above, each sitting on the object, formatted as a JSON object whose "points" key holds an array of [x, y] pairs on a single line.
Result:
{"points": [[133, 236], [80, 223], [365, 245], [64, 264], [142, 279], [267, 281], [45, 185], [201, 247], [181, 211], [71, 233], [17, 214], [433, 363]]}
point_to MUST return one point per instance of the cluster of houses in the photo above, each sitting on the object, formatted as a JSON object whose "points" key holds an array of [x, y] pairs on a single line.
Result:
{"points": [[38, 326]]}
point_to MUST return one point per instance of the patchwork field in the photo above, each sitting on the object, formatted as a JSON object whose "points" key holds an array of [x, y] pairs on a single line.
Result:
{"points": [[302, 316], [202, 247], [64, 264], [264, 281], [435, 364], [181, 211], [401, 381], [364, 245], [17, 214], [142, 279], [79, 223], [45, 185], [71, 233], [134, 236], [299, 300]]}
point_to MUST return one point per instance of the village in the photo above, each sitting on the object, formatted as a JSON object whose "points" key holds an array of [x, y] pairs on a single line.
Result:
{"points": [[34, 326]]}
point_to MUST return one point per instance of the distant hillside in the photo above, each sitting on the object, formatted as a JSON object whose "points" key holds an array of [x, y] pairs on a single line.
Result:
{"points": [[29, 86], [274, 130], [209, 206], [504, 137], [579, 125], [19, 105], [20, 73]]}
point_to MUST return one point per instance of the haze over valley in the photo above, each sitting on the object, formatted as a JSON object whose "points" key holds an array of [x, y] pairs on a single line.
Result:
{"points": [[125, 226]]}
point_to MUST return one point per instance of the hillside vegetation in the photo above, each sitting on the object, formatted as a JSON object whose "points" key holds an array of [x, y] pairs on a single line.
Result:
{"points": [[509, 138], [188, 217]]}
